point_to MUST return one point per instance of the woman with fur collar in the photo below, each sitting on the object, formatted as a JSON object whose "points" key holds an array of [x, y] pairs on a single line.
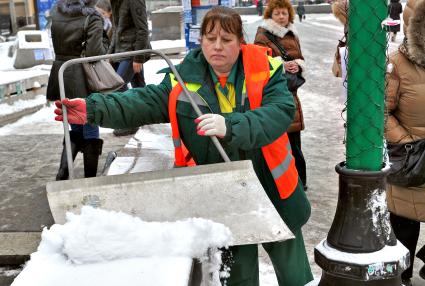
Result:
{"points": [[75, 22], [405, 103], [279, 23]]}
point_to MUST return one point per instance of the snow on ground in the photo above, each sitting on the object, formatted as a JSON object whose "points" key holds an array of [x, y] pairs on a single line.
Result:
{"points": [[249, 19], [166, 44], [105, 248], [45, 117], [6, 109]]}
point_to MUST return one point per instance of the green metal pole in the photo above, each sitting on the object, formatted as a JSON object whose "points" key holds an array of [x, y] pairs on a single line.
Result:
{"points": [[366, 84]]}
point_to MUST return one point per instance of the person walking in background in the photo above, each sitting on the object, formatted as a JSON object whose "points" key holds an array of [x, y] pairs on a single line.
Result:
{"points": [[339, 66], [77, 28], [248, 124], [130, 33], [105, 9], [301, 10], [276, 30], [260, 7], [405, 105], [394, 11]]}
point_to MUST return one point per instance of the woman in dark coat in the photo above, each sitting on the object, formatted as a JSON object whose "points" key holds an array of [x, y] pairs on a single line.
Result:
{"points": [[394, 11], [76, 22], [130, 33]]}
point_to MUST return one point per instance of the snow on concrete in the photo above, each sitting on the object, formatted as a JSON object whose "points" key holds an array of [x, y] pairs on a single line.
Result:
{"points": [[166, 44], [20, 104], [249, 19], [152, 140], [386, 254], [45, 117], [9, 76], [102, 247]]}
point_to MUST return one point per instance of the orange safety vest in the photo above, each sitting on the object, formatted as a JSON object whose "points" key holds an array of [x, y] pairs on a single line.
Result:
{"points": [[278, 154]]}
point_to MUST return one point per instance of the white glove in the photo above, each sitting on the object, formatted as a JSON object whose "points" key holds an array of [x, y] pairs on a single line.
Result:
{"points": [[211, 125]]}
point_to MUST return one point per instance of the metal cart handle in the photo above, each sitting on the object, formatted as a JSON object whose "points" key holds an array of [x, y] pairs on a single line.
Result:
{"points": [[116, 56]]}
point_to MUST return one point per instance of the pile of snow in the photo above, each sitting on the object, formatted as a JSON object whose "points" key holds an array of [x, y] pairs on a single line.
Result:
{"points": [[102, 247]]}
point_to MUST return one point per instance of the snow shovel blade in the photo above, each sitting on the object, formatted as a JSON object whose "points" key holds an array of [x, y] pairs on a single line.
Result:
{"points": [[227, 193]]}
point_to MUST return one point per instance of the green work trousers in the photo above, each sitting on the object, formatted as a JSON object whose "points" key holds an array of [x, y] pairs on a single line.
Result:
{"points": [[289, 260]]}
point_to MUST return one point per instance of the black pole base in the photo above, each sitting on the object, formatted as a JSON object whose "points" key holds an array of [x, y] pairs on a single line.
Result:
{"points": [[332, 280], [362, 221], [361, 248]]}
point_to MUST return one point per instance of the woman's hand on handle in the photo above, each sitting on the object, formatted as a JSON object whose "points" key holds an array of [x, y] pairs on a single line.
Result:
{"points": [[211, 125], [76, 108]]}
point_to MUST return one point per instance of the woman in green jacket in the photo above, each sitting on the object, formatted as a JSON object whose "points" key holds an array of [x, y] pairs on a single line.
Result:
{"points": [[216, 73]]}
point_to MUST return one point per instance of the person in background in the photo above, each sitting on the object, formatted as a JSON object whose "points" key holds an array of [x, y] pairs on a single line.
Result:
{"points": [[405, 105], [69, 18], [278, 23], [105, 9], [301, 10], [260, 7], [394, 11], [216, 75], [130, 33], [340, 10]]}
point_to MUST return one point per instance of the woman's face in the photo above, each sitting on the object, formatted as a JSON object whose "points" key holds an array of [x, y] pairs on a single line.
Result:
{"points": [[221, 49], [281, 16]]}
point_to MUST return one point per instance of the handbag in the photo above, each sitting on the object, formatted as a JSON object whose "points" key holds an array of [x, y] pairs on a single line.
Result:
{"points": [[407, 164], [100, 75], [293, 80]]}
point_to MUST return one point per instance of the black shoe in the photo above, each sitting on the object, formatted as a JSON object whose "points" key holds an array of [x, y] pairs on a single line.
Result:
{"points": [[76, 146], [125, 132], [406, 282], [91, 152], [422, 272]]}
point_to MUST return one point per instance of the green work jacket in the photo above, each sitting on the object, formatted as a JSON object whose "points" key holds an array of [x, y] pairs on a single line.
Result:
{"points": [[247, 130]]}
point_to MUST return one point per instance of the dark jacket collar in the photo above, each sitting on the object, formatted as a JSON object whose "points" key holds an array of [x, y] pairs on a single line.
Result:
{"points": [[77, 7]]}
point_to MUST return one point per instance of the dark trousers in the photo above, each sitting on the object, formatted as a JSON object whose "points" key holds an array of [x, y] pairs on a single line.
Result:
{"points": [[295, 140], [289, 259], [300, 16], [125, 69], [407, 232]]}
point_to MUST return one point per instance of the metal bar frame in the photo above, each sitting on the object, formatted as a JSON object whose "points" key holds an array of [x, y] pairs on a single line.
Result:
{"points": [[118, 56]]}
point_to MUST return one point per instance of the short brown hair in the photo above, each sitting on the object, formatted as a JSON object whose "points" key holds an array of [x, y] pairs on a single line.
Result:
{"points": [[229, 20], [276, 4]]}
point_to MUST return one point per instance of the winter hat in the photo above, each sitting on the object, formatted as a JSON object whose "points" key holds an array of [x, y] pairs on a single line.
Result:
{"points": [[340, 10]]}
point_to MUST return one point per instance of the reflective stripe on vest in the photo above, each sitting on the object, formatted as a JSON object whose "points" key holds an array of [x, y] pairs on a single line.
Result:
{"points": [[182, 157], [277, 154]]}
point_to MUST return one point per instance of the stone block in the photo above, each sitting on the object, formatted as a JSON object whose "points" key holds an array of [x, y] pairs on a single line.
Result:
{"points": [[33, 48], [167, 23]]}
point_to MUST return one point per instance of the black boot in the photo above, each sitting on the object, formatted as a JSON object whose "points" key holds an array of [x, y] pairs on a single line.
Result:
{"points": [[91, 152], [76, 144]]}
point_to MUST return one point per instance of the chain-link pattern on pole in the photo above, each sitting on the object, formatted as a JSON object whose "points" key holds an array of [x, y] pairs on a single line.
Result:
{"points": [[366, 84]]}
